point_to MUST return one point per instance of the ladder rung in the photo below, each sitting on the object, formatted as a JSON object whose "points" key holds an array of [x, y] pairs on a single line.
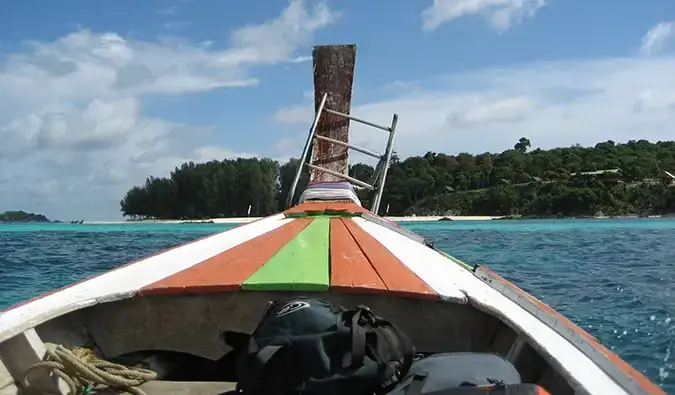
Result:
{"points": [[339, 114], [340, 175], [355, 148]]}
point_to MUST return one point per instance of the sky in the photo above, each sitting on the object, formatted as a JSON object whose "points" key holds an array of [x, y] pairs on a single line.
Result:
{"points": [[97, 96]]}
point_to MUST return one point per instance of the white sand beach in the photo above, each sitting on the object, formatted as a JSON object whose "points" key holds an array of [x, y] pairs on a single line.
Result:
{"points": [[242, 220], [438, 218]]}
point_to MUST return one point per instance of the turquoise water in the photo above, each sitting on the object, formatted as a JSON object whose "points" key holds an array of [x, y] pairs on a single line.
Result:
{"points": [[615, 278]]}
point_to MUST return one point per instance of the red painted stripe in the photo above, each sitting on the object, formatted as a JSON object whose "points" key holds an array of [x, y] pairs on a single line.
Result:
{"points": [[227, 270], [350, 268], [396, 276]]}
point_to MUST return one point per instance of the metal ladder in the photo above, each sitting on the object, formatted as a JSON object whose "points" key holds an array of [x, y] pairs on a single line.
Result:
{"points": [[379, 175]]}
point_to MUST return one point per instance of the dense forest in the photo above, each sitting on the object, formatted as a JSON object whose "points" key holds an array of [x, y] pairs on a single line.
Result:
{"points": [[612, 179], [22, 216]]}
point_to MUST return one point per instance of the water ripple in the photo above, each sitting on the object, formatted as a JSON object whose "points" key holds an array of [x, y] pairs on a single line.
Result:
{"points": [[616, 282]]}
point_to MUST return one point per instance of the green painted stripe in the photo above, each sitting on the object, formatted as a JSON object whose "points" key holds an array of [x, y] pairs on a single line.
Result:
{"points": [[301, 265]]}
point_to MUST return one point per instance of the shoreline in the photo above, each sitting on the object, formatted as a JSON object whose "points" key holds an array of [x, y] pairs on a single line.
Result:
{"points": [[433, 218], [244, 220]]}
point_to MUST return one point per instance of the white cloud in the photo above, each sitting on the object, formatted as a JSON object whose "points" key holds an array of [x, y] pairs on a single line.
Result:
{"points": [[301, 59], [658, 37], [73, 132], [482, 110], [278, 39], [501, 14], [553, 103], [176, 25], [287, 146], [295, 114], [168, 10]]}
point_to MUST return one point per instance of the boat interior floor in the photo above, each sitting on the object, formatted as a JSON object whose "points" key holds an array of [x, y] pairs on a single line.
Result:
{"points": [[180, 387]]}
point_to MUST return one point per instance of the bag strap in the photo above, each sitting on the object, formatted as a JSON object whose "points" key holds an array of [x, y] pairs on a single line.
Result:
{"points": [[395, 371], [363, 323], [357, 332]]}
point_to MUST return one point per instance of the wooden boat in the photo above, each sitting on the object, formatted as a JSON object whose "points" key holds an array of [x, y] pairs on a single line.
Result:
{"points": [[182, 299]]}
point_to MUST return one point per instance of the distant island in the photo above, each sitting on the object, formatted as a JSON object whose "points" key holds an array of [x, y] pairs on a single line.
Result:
{"points": [[635, 178], [21, 216]]}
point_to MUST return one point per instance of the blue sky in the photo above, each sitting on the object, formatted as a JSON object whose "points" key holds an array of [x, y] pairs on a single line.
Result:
{"points": [[98, 95]]}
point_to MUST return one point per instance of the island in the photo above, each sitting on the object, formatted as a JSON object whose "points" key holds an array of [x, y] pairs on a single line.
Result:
{"points": [[21, 217], [610, 179]]}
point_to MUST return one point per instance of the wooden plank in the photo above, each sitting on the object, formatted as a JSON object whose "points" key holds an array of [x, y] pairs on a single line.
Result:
{"points": [[304, 207], [349, 266], [396, 275], [334, 75], [229, 269], [349, 207], [162, 387], [301, 265]]}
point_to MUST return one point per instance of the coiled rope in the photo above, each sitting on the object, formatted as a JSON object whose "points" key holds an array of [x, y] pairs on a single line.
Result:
{"points": [[83, 372]]}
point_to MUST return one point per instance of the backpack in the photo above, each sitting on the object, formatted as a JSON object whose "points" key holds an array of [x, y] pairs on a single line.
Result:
{"points": [[464, 373], [312, 346]]}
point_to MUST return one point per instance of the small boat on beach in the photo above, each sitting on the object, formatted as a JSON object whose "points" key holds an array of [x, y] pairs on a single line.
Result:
{"points": [[170, 310]]}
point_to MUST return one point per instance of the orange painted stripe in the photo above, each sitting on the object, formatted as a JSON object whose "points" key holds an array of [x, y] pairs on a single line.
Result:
{"points": [[350, 269], [319, 206], [638, 377], [395, 275], [306, 206], [542, 391], [346, 206], [227, 270]]}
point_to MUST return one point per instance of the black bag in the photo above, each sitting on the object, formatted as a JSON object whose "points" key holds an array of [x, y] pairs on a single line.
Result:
{"points": [[450, 373], [307, 345]]}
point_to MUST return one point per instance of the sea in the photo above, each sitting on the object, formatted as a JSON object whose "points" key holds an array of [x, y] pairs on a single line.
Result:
{"points": [[613, 277]]}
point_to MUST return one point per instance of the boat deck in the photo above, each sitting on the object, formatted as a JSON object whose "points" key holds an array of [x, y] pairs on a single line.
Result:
{"points": [[305, 254], [179, 387], [312, 247]]}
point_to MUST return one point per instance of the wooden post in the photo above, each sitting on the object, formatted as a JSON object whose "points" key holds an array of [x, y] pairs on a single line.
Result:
{"points": [[334, 75]]}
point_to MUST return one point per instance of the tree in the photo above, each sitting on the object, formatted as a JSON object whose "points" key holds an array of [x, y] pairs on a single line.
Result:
{"points": [[522, 145], [22, 216], [536, 183], [287, 173]]}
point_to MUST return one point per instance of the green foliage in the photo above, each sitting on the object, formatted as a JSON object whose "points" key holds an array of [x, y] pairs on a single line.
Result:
{"points": [[513, 182], [207, 190], [286, 174], [522, 145], [22, 216], [543, 183]]}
